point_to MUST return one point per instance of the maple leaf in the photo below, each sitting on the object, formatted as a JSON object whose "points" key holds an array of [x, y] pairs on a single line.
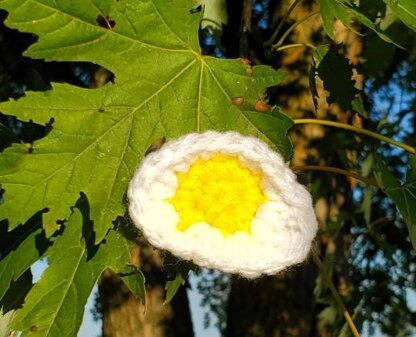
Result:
{"points": [[346, 11], [405, 10], [55, 304], [163, 87], [403, 195]]}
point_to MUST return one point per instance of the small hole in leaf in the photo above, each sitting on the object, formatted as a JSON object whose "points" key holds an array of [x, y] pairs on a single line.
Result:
{"points": [[33, 328], [1, 195], [195, 9], [105, 21], [16, 131]]}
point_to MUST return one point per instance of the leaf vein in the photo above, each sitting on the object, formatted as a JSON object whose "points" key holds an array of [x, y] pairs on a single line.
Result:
{"points": [[113, 183], [110, 32], [163, 87], [165, 23], [198, 111], [67, 290], [229, 99]]}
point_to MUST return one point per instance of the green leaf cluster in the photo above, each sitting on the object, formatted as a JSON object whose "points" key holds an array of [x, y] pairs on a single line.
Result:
{"points": [[99, 136], [163, 87], [347, 11], [341, 87], [405, 10]]}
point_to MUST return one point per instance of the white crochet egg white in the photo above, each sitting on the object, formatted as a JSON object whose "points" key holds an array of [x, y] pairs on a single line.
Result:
{"points": [[282, 229]]}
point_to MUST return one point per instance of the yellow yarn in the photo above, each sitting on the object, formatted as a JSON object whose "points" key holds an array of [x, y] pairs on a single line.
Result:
{"points": [[220, 191]]}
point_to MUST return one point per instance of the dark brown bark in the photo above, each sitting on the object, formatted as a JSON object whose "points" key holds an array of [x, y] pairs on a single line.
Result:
{"points": [[280, 306], [285, 305], [245, 29]]}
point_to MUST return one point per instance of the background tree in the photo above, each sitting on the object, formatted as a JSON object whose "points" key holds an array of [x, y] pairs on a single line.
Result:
{"points": [[365, 246], [253, 307]]}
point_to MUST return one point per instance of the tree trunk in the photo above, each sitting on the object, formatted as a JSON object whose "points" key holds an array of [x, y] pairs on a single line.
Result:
{"points": [[280, 306], [124, 316], [285, 305]]}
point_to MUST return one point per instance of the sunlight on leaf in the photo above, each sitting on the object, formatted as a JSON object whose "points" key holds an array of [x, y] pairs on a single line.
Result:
{"points": [[172, 287], [60, 295], [330, 10], [346, 11], [405, 10], [5, 321], [163, 87]]}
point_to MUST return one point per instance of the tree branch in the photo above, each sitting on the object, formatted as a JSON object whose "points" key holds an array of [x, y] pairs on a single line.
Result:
{"points": [[335, 170], [337, 297], [353, 128], [281, 23], [291, 28], [245, 28]]}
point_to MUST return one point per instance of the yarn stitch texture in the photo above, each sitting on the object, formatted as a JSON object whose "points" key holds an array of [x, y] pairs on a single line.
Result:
{"points": [[282, 229]]}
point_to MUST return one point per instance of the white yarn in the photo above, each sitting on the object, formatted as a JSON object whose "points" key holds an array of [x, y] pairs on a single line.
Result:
{"points": [[281, 231]]}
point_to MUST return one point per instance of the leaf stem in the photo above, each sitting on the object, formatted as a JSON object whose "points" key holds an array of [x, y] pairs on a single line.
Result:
{"points": [[295, 45], [291, 28], [282, 22], [335, 170], [349, 127], [336, 295]]}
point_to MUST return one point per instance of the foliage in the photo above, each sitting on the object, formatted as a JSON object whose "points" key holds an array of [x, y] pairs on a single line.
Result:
{"points": [[173, 286], [403, 195], [143, 105], [63, 189], [341, 89], [74, 266], [405, 10], [346, 11]]}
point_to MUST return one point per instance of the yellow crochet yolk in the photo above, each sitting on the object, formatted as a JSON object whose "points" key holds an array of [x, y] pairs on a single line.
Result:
{"points": [[220, 191]]}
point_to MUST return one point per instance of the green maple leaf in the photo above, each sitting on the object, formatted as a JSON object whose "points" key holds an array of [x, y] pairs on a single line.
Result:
{"points": [[346, 11], [403, 195], [55, 304], [330, 10], [405, 10], [163, 87], [173, 286], [341, 87], [5, 321], [20, 248]]}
